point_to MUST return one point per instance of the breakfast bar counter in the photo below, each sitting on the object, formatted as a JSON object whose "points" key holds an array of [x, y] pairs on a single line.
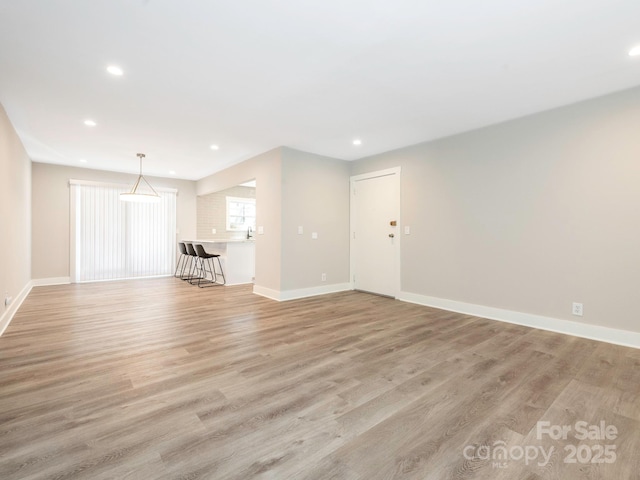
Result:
{"points": [[238, 258]]}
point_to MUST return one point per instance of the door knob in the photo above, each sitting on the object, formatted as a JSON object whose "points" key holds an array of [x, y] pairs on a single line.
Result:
{"points": [[391, 235]]}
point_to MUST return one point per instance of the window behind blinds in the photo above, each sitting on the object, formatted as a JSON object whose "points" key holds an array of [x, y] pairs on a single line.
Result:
{"points": [[112, 239]]}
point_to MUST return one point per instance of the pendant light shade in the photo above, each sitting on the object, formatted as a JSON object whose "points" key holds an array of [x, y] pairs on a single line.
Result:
{"points": [[141, 195]]}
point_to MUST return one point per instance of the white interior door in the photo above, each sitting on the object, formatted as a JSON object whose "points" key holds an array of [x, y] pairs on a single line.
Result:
{"points": [[375, 238]]}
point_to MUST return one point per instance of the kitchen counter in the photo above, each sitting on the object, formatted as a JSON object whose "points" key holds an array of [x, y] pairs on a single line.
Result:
{"points": [[221, 240], [238, 257]]}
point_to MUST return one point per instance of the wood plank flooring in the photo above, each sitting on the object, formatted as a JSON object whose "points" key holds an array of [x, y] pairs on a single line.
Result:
{"points": [[157, 379]]}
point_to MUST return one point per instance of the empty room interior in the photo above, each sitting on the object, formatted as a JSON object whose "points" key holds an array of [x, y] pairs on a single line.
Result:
{"points": [[319, 240]]}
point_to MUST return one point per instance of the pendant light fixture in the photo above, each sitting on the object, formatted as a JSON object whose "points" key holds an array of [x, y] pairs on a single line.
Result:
{"points": [[140, 196]]}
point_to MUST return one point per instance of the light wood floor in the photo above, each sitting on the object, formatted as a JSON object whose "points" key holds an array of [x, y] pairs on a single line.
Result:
{"points": [[156, 379]]}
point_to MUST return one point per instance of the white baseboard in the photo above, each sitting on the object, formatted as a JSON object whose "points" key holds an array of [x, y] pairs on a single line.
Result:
{"points": [[43, 282], [567, 327], [7, 316], [230, 284], [266, 292], [166, 275], [313, 291], [282, 296]]}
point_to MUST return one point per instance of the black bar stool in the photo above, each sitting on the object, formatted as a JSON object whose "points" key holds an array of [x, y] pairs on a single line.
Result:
{"points": [[207, 259], [182, 260], [193, 266]]}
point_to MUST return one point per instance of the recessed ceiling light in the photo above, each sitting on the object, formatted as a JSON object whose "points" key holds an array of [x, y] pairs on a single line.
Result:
{"points": [[82, 160], [172, 172], [357, 141], [635, 51], [115, 70], [90, 123], [214, 147]]}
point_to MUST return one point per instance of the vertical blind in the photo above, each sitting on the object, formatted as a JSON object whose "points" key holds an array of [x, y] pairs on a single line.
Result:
{"points": [[112, 239]]}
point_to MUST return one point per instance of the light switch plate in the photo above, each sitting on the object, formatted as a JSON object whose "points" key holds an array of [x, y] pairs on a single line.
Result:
{"points": [[260, 230], [213, 230], [407, 230], [314, 235], [300, 230]]}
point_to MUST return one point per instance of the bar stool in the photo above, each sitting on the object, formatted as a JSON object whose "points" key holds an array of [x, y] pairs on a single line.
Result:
{"points": [[207, 259], [193, 266], [182, 260]]}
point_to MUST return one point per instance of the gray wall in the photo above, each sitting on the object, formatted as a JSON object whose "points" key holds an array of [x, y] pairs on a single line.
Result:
{"points": [[315, 195], [294, 189], [529, 215], [50, 212], [15, 214], [212, 213], [266, 169]]}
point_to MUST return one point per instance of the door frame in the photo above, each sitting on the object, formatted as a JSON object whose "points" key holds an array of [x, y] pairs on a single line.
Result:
{"points": [[395, 172]]}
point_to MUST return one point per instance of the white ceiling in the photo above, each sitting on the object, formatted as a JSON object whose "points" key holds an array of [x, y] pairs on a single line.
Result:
{"points": [[251, 75]]}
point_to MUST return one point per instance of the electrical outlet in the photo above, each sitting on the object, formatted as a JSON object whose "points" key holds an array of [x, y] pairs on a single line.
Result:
{"points": [[7, 300], [260, 230], [324, 277], [300, 230], [577, 309], [213, 230], [314, 235]]}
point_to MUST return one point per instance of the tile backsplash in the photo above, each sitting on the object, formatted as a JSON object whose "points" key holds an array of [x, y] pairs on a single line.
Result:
{"points": [[211, 213]]}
